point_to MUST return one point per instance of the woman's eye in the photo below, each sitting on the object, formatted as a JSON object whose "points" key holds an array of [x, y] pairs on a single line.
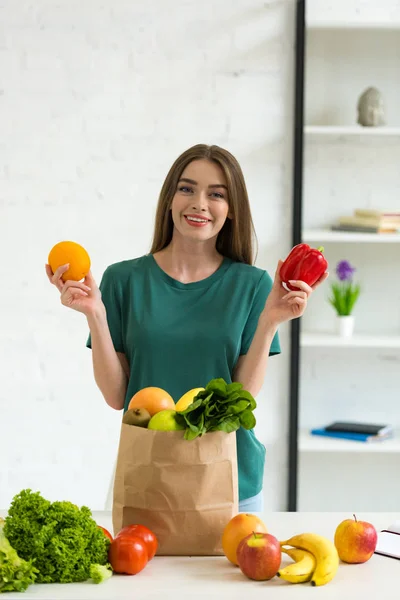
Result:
{"points": [[185, 189], [218, 195]]}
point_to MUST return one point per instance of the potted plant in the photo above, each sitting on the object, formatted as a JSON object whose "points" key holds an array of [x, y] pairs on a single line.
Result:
{"points": [[344, 296]]}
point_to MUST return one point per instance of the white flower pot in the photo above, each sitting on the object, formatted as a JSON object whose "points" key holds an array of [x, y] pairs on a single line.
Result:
{"points": [[345, 325]]}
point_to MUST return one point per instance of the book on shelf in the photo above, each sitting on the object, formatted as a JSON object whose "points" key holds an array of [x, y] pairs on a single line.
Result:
{"points": [[380, 222], [364, 229], [377, 214], [360, 427], [365, 220], [356, 431], [388, 543]]}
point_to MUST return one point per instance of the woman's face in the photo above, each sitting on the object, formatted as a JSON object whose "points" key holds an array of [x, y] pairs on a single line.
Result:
{"points": [[200, 205]]}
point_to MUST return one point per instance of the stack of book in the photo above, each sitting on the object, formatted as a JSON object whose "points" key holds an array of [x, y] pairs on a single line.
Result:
{"points": [[358, 432], [370, 221]]}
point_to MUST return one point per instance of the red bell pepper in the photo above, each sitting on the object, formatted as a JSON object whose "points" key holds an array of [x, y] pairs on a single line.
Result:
{"points": [[303, 264]]}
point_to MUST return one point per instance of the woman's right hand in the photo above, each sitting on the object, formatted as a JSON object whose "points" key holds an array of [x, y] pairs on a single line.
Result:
{"points": [[82, 296]]}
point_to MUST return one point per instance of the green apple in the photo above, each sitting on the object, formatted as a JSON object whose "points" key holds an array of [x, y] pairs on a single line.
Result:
{"points": [[164, 421]]}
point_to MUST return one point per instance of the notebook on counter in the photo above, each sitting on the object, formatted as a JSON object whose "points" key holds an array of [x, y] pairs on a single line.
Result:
{"points": [[389, 541]]}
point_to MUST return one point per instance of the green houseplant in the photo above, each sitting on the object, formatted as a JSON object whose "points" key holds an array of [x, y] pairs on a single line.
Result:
{"points": [[344, 295]]}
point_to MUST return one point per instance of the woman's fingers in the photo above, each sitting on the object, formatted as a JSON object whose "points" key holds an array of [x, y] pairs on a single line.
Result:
{"points": [[55, 278], [71, 294], [49, 272], [277, 272], [295, 294], [302, 285], [73, 290], [298, 300], [76, 284], [89, 280], [59, 272]]}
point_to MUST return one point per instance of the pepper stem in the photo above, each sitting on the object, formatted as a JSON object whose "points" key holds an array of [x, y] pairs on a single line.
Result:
{"points": [[355, 518], [321, 248]]}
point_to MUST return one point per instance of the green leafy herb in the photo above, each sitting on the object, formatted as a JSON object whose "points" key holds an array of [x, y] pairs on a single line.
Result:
{"points": [[219, 407], [62, 540], [16, 574]]}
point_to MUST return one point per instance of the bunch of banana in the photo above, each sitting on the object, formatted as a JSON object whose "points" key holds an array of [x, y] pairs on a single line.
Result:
{"points": [[316, 559]]}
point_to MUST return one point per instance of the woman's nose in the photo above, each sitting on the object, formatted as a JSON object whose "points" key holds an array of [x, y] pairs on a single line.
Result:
{"points": [[200, 201]]}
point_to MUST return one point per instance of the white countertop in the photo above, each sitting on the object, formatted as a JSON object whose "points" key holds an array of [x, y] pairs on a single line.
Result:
{"points": [[184, 578]]}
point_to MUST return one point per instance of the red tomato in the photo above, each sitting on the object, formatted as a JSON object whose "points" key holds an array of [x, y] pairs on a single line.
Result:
{"points": [[128, 555], [107, 533], [145, 534]]}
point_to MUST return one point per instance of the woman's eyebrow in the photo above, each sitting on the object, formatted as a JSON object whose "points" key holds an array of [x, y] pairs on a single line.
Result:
{"points": [[193, 182]]}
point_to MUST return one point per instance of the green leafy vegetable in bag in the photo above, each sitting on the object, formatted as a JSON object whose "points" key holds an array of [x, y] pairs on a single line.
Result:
{"points": [[220, 406]]}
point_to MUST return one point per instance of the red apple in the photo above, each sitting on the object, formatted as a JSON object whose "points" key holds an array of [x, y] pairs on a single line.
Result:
{"points": [[259, 556], [355, 540]]}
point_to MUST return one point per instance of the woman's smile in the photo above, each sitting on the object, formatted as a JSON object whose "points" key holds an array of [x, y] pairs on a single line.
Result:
{"points": [[196, 220]]}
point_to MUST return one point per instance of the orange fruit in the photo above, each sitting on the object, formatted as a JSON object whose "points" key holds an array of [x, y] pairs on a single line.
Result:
{"points": [[153, 399], [237, 528], [74, 254]]}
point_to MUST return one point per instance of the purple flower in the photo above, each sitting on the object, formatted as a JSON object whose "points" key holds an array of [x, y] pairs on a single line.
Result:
{"points": [[344, 270]]}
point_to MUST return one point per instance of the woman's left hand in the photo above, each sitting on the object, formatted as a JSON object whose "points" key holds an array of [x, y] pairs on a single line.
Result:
{"points": [[282, 305]]}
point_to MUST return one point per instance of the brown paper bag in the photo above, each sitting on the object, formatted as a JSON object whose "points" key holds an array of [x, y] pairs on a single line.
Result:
{"points": [[185, 491]]}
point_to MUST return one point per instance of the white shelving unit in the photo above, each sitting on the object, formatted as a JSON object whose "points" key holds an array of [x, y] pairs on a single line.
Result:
{"points": [[353, 25], [340, 237], [330, 340], [347, 166], [351, 130]]}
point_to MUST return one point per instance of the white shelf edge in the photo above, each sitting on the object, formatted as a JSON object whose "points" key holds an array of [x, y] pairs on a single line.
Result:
{"points": [[351, 130], [351, 25], [331, 340], [326, 235], [314, 443]]}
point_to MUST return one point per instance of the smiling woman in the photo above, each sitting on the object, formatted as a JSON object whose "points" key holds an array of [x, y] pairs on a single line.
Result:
{"points": [[193, 309], [202, 179], [199, 205], [212, 205]]}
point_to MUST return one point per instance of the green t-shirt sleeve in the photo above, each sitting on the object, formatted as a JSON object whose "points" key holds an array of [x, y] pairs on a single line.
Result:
{"points": [[111, 294], [260, 297]]}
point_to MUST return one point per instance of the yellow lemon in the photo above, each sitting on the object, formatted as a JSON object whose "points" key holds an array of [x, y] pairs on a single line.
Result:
{"points": [[187, 399]]}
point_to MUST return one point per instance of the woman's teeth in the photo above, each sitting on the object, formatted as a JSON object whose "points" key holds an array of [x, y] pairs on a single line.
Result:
{"points": [[197, 220]]}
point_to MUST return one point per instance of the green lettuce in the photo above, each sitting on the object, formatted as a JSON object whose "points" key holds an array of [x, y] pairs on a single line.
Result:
{"points": [[16, 574], [100, 573], [61, 540]]}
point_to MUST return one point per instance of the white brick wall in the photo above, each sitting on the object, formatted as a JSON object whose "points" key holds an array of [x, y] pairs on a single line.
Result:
{"points": [[97, 100]]}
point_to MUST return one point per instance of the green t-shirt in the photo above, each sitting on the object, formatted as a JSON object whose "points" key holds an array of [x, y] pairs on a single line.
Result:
{"points": [[178, 336]]}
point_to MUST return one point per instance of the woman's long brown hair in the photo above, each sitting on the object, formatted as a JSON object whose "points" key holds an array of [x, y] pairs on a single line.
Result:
{"points": [[236, 238]]}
